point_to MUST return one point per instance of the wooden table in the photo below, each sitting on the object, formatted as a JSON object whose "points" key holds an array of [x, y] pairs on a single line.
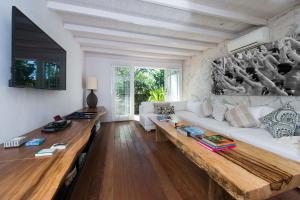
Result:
{"points": [[224, 174], [23, 176]]}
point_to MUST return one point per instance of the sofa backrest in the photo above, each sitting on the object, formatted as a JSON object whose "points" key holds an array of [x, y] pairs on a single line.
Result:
{"points": [[179, 105], [147, 107]]}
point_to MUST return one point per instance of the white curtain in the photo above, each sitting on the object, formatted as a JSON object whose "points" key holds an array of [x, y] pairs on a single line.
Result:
{"points": [[173, 82], [123, 93]]}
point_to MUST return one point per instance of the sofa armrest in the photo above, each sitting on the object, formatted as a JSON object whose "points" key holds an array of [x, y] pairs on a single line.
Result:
{"points": [[141, 112]]}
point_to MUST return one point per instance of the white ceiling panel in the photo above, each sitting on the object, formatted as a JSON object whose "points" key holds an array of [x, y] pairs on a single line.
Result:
{"points": [[171, 28]]}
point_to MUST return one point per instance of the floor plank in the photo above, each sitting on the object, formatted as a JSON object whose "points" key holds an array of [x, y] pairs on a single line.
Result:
{"points": [[125, 163]]}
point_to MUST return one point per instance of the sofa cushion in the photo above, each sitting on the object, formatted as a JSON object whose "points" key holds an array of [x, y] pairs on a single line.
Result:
{"points": [[261, 138], [179, 105], [219, 111], [160, 107], [258, 137], [187, 116], [168, 110], [194, 107], [211, 124], [240, 116], [206, 109], [281, 122], [147, 107], [259, 111]]}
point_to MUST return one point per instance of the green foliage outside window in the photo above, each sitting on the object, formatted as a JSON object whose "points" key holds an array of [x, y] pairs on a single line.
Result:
{"points": [[148, 86]]}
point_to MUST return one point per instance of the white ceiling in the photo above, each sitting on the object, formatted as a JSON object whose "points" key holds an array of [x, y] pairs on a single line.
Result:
{"points": [[162, 29]]}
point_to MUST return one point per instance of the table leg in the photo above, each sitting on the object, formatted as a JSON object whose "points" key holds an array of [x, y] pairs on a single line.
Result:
{"points": [[216, 192], [160, 136]]}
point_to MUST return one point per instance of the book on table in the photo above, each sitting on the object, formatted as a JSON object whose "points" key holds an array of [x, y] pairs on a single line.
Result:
{"points": [[45, 152], [218, 140], [191, 131], [35, 142], [162, 118], [215, 149]]}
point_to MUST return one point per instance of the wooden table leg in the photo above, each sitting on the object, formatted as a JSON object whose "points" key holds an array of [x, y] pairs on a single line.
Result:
{"points": [[160, 136], [216, 192]]}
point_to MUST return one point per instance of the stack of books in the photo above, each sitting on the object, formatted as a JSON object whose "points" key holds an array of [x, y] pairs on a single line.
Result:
{"points": [[163, 118], [191, 131], [216, 143]]}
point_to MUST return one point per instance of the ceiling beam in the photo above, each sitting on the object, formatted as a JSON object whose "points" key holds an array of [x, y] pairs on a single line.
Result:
{"points": [[142, 21], [193, 7], [123, 58], [133, 53], [141, 38], [135, 47]]}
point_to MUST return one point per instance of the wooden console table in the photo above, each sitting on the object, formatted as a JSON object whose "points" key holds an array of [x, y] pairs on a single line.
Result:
{"points": [[23, 176], [227, 176]]}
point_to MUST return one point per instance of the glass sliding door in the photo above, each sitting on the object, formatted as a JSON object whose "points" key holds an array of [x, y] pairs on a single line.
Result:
{"points": [[123, 93], [173, 84]]}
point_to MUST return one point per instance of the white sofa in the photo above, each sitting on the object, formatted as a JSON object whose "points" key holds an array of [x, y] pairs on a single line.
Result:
{"points": [[146, 110], [286, 147]]}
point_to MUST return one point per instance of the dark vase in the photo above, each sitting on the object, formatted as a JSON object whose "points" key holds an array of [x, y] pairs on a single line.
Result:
{"points": [[92, 100]]}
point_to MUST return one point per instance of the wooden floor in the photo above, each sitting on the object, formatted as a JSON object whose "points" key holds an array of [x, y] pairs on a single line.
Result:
{"points": [[125, 163]]}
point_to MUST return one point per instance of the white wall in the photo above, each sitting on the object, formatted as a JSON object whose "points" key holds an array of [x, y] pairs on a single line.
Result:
{"points": [[101, 66], [197, 70], [23, 110]]}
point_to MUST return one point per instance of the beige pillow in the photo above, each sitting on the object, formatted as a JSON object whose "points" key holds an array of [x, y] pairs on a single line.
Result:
{"points": [[206, 109], [240, 116], [219, 111]]}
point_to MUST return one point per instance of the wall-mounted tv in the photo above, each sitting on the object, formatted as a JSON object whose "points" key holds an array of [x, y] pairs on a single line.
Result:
{"points": [[37, 60]]}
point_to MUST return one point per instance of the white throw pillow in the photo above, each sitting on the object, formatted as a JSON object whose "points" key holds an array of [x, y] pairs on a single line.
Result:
{"points": [[240, 116], [259, 111], [219, 111], [206, 109], [179, 105], [194, 107]]}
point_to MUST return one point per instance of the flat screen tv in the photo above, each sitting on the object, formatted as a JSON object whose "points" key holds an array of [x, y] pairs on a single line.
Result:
{"points": [[37, 60]]}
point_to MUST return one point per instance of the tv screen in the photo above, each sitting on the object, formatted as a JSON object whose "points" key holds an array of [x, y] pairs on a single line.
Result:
{"points": [[37, 60]]}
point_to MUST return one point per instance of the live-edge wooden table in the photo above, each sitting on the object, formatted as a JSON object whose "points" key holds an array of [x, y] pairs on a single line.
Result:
{"points": [[226, 175], [23, 176]]}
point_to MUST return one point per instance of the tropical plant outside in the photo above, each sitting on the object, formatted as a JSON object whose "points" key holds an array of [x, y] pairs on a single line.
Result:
{"points": [[148, 86], [157, 95]]}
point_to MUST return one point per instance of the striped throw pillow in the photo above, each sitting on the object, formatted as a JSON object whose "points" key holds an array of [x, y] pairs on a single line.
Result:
{"points": [[241, 117]]}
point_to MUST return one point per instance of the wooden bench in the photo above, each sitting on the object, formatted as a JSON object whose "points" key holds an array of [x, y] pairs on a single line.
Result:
{"points": [[240, 181]]}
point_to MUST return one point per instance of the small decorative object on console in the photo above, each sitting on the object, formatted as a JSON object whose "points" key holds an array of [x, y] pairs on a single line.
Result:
{"points": [[81, 115], [35, 142], [45, 152], [57, 126], [59, 146], [15, 142], [57, 118]]}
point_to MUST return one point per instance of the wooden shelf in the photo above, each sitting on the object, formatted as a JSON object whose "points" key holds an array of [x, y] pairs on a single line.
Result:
{"points": [[23, 176]]}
